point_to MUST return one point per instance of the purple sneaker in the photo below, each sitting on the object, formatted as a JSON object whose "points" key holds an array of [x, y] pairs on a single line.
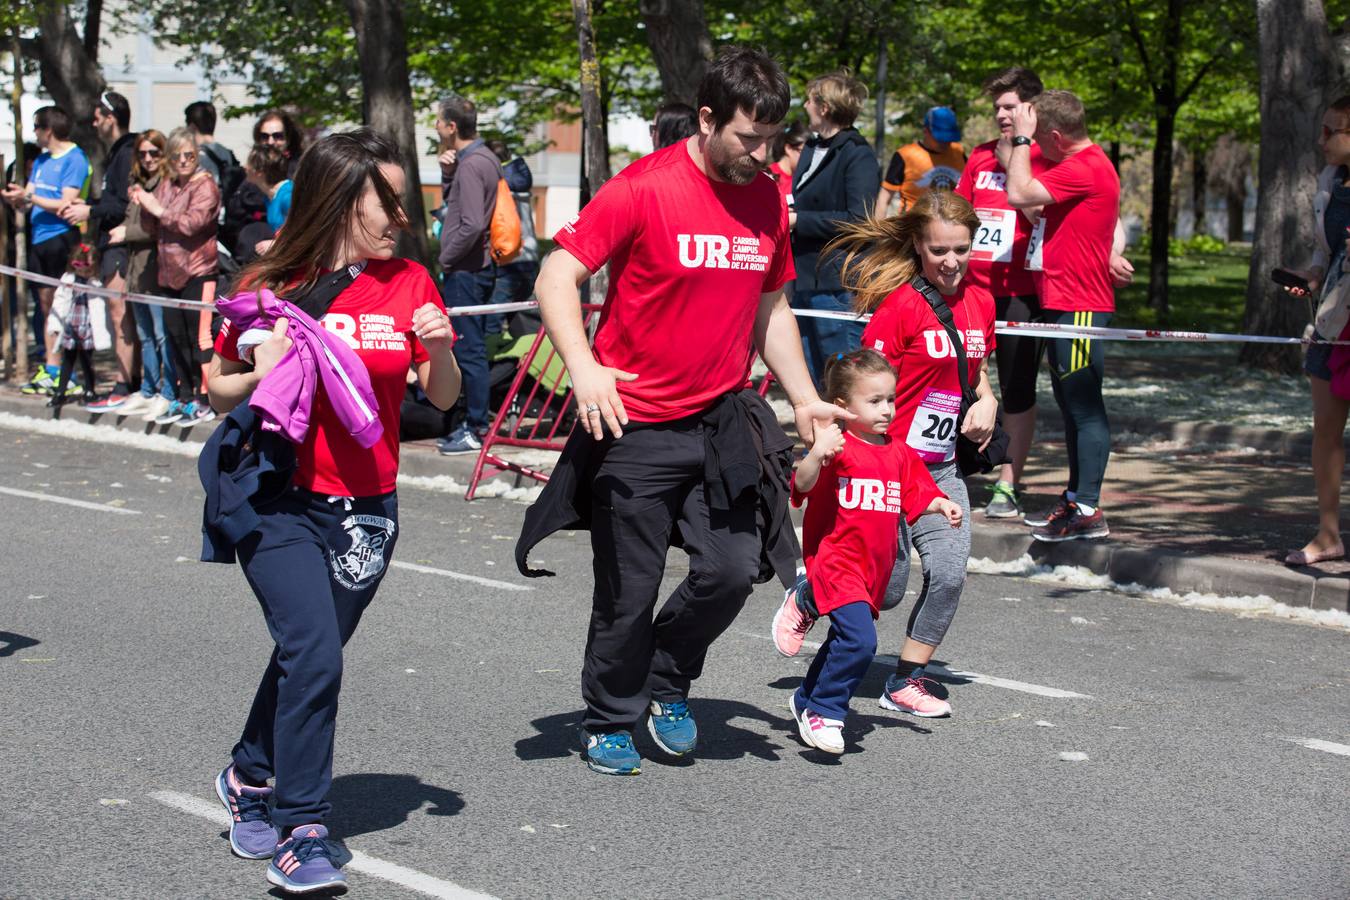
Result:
{"points": [[252, 834], [304, 863]]}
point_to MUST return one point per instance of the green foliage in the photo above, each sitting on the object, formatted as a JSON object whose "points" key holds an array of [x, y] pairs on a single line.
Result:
{"points": [[1199, 244], [1207, 292]]}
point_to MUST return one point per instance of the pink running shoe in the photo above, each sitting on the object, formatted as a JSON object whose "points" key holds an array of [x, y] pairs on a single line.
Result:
{"points": [[790, 624], [911, 695], [816, 730]]}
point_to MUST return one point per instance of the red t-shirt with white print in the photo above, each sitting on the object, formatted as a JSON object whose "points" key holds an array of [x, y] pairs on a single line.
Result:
{"points": [[850, 533], [374, 317], [688, 258], [1000, 248], [907, 332]]}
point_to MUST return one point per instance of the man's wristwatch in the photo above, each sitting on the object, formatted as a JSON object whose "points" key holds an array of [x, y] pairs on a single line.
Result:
{"points": [[1021, 140]]}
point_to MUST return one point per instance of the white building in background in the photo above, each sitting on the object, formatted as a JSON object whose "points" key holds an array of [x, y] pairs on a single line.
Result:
{"points": [[160, 82]]}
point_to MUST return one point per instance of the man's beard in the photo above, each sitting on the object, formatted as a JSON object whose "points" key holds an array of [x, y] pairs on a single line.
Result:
{"points": [[734, 169]]}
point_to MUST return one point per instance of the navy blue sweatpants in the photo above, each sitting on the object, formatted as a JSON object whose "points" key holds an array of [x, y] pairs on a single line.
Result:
{"points": [[841, 662], [314, 564]]}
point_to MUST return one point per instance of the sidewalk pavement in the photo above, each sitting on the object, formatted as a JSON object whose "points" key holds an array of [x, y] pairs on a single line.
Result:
{"points": [[1191, 506]]}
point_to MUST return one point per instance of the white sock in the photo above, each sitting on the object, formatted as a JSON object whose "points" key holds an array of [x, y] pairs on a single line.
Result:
{"points": [[1086, 510]]}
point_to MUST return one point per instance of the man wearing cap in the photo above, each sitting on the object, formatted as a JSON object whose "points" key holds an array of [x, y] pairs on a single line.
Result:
{"points": [[934, 162]]}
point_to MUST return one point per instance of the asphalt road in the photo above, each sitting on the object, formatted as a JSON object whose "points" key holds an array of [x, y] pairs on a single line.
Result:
{"points": [[126, 668]]}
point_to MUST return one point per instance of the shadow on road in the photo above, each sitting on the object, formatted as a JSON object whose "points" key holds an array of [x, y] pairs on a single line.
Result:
{"points": [[11, 643], [370, 802]]}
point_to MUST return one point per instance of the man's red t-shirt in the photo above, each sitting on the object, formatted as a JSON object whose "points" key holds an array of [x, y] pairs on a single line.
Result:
{"points": [[783, 179], [998, 255], [688, 259], [850, 533], [374, 317], [1080, 227], [907, 332]]}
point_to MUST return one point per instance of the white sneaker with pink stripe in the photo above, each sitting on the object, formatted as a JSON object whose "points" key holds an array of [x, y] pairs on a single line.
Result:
{"points": [[816, 730]]}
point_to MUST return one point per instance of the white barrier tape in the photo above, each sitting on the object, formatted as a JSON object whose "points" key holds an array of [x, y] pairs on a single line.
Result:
{"points": [[1052, 330], [151, 299], [1028, 329]]}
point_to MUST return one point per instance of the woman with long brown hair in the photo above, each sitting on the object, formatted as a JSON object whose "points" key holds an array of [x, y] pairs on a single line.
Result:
{"points": [[884, 260], [159, 383], [319, 552]]}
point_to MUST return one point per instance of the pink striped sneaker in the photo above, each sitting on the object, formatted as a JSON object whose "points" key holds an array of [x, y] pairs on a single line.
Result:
{"points": [[817, 731], [911, 695], [790, 623]]}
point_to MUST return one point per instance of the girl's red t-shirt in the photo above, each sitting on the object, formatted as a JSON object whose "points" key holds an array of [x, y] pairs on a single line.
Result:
{"points": [[851, 530], [374, 317]]}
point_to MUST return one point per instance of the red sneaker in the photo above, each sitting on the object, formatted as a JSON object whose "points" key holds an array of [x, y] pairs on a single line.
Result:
{"points": [[790, 623], [1074, 526]]}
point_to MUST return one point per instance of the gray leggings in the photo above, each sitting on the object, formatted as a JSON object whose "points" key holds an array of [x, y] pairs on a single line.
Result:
{"points": [[943, 550]]}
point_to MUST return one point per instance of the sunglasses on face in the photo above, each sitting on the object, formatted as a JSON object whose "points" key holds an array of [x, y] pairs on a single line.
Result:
{"points": [[185, 156], [273, 137], [153, 154]]}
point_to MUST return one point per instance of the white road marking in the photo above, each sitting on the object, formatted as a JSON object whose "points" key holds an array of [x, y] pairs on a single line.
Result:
{"points": [[82, 504], [411, 879], [991, 680], [461, 576], [1324, 746]]}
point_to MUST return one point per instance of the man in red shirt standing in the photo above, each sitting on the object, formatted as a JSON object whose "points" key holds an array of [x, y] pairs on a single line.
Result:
{"points": [[696, 238], [998, 258], [1070, 250]]}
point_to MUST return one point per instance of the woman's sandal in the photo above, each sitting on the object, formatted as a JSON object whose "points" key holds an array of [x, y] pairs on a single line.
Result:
{"points": [[1303, 558]]}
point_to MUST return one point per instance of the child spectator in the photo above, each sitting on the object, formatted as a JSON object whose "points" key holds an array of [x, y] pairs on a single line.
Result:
{"points": [[70, 307]]}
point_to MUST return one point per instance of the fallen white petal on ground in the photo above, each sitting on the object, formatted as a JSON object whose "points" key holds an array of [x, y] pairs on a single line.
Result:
{"points": [[1078, 576], [1073, 756], [100, 434]]}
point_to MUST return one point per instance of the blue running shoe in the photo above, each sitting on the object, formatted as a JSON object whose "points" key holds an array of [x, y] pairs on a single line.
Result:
{"points": [[672, 727], [304, 863], [252, 834], [611, 754]]}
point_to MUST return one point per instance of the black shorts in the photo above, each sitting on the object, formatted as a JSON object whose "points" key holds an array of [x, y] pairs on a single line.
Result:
{"points": [[51, 257], [1018, 357], [115, 261]]}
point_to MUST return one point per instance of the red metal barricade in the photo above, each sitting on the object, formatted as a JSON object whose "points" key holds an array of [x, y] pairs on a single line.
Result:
{"points": [[534, 415]]}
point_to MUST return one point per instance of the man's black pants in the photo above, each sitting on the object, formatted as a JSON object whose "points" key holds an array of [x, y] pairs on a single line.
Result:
{"points": [[648, 482]]}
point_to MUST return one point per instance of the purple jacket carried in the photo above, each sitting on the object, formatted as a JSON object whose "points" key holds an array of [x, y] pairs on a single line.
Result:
{"points": [[284, 399]]}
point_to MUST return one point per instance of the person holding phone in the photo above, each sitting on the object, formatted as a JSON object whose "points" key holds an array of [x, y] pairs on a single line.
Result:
{"points": [[1331, 208]]}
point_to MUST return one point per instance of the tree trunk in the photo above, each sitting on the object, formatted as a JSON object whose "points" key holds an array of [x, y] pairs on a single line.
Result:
{"points": [[681, 46], [16, 353], [1199, 197], [386, 102], [70, 75], [1160, 217], [596, 148], [1236, 201], [1296, 66]]}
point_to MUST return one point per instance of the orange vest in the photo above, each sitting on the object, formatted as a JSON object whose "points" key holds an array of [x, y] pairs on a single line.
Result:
{"points": [[925, 170]]}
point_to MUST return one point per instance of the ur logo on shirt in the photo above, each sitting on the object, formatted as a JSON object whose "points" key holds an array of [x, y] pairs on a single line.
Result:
{"points": [[991, 181], [869, 494], [939, 344], [717, 251]]}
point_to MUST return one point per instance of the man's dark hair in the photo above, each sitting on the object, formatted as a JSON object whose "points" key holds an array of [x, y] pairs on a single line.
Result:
{"points": [[295, 141], [1025, 82], [460, 112], [201, 117], [500, 149], [55, 119], [117, 106], [741, 78], [268, 162]]}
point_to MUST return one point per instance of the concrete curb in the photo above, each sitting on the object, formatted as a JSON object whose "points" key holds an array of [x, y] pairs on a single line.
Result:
{"points": [[1203, 574], [1266, 440], [1124, 564]]}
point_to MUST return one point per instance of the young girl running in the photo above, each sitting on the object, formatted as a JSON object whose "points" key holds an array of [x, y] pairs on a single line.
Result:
{"points": [[850, 539], [318, 553]]}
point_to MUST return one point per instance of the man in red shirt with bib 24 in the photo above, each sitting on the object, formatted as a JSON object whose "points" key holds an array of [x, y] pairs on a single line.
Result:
{"points": [[1080, 193], [697, 242]]}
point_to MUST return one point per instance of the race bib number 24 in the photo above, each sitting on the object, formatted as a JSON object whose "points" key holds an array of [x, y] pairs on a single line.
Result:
{"points": [[994, 238]]}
